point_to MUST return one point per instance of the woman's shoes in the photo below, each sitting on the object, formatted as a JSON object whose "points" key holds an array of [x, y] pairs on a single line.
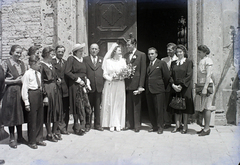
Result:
{"points": [[111, 129], [51, 138], [184, 131], [13, 144], [176, 130], [118, 129], [204, 133], [57, 136]]}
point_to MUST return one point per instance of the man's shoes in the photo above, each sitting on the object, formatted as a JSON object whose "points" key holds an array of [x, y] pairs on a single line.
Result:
{"points": [[87, 129], [65, 132], [160, 131], [22, 140], [41, 143], [99, 128], [203, 133], [184, 131], [13, 144], [153, 130], [2, 162], [137, 130], [51, 138], [33, 146]]}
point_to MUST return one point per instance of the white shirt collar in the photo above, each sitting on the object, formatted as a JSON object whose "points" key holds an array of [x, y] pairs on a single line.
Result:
{"points": [[181, 61], [154, 61], [79, 59]]}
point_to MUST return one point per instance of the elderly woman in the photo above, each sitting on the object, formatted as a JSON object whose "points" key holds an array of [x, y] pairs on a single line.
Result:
{"points": [[204, 80], [181, 82], [52, 100], [76, 72], [12, 104]]}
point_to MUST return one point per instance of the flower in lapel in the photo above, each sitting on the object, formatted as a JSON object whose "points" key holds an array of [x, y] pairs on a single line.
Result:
{"points": [[134, 57], [100, 60]]}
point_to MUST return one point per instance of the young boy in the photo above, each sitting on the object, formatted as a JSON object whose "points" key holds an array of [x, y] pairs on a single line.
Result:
{"points": [[33, 99]]}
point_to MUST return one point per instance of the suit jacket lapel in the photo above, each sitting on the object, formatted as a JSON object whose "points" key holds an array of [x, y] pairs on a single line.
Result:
{"points": [[134, 57], [154, 66]]}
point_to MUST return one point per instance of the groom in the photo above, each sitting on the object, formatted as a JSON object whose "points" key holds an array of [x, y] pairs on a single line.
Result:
{"points": [[134, 85]]}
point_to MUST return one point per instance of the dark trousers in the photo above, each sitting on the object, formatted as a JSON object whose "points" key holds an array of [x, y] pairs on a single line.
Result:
{"points": [[156, 104], [133, 114], [63, 125], [35, 117], [95, 101], [167, 115]]}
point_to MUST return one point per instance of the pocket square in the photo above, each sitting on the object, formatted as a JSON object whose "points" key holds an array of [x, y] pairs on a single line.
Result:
{"points": [[157, 67]]}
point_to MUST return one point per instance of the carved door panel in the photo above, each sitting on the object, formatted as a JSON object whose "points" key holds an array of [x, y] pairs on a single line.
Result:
{"points": [[111, 21]]}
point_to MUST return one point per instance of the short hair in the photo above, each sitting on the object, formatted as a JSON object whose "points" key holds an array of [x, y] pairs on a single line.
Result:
{"points": [[184, 49], [32, 59], [204, 49], [174, 46], [46, 51], [32, 50], [60, 46], [114, 51], [152, 48], [132, 39], [13, 48]]}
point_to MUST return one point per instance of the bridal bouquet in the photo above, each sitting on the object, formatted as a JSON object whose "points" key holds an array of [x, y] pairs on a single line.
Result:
{"points": [[127, 72]]}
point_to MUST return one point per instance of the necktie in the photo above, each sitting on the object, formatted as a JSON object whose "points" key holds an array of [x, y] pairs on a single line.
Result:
{"points": [[94, 61], [38, 81], [150, 66], [61, 64]]}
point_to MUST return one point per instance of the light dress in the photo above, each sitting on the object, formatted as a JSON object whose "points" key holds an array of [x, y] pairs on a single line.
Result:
{"points": [[113, 95], [204, 102]]}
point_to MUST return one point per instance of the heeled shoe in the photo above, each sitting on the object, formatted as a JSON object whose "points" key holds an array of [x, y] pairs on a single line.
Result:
{"points": [[51, 138], [13, 144], [118, 129], [111, 129], [198, 132], [57, 136], [176, 130], [184, 131], [203, 133]]}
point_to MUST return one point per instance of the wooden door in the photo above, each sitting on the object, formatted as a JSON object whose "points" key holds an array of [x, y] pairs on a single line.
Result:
{"points": [[111, 21]]}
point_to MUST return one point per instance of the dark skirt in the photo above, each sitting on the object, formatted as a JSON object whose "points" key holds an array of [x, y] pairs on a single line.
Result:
{"points": [[79, 102], [12, 106], [53, 112]]}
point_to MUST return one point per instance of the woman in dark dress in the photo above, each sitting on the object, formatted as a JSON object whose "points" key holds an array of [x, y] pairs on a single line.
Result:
{"points": [[181, 82], [53, 110], [76, 72], [12, 104]]}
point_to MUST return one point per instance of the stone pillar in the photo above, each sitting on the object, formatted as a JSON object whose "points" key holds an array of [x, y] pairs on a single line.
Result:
{"points": [[66, 25]]}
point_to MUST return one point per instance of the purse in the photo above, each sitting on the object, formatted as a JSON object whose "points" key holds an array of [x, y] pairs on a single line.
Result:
{"points": [[199, 88], [178, 103]]}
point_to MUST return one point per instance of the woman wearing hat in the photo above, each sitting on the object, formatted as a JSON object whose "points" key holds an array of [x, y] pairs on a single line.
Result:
{"points": [[78, 99]]}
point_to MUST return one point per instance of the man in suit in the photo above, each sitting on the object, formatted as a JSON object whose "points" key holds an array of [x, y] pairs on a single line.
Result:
{"points": [[134, 85], [157, 79], [171, 51], [95, 75], [59, 64]]}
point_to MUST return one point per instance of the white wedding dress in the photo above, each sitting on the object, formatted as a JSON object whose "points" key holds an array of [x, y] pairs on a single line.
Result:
{"points": [[113, 96]]}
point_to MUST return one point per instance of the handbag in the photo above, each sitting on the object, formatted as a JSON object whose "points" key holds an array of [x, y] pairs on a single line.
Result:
{"points": [[178, 103], [3, 133], [199, 88]]}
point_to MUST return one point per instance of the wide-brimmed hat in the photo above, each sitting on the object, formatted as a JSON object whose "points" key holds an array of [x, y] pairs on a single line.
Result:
{"points": [[78, 46]]}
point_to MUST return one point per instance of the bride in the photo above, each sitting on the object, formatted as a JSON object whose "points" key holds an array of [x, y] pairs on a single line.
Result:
{"points": [[113, 98]]}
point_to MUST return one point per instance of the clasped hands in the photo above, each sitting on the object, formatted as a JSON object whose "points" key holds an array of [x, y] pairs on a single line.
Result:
{"points": [[177, 88]]}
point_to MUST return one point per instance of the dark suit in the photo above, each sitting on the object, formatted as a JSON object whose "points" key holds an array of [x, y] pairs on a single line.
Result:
{"points": [[95, 75], [157, 79], [133, 113], [60, 68]]}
